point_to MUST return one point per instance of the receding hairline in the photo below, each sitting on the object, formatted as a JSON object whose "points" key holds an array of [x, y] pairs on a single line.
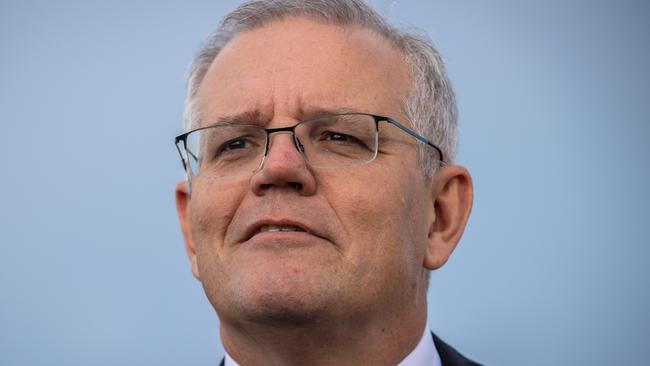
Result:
{"points": [[286, 18], [354, 41]]}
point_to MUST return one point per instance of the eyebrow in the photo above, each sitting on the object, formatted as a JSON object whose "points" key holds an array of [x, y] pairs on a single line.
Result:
{"points": [[252, 117], [316, 112], [256, 117]]}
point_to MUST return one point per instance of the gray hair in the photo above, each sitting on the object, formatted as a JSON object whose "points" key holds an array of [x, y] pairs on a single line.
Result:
{"points": [[430, 105]]}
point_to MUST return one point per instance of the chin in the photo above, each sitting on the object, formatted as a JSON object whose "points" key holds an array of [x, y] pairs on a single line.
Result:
{"points": [[281, 297], [282, 314]]}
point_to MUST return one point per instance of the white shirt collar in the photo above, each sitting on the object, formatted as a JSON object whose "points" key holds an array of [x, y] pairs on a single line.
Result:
{"points": [[424, 354]]}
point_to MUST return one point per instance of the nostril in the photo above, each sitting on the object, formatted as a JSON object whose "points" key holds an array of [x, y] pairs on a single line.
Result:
{"points": [[297, 186]]}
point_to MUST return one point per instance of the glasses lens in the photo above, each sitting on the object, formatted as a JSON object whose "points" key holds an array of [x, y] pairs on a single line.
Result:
{"points": [[225, 151], [338, 141]]}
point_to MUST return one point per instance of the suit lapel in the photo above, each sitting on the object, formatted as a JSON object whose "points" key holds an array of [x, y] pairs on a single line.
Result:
{"points": [[449, 356]]}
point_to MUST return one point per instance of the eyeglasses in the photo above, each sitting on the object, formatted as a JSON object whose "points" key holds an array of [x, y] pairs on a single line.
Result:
{"points": [[226, 150]]}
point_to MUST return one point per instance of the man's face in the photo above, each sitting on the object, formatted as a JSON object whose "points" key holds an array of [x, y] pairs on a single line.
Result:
{"points": [[363, 228]]}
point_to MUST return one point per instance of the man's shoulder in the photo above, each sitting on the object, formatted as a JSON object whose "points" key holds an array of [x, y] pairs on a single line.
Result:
{"points": [[449, 356]]}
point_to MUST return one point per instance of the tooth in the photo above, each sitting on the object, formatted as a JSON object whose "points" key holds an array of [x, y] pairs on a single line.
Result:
{"points": [[281, 228]]}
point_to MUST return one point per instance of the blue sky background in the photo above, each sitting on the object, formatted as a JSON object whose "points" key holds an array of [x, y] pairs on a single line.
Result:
{"points": [[554, 102]]}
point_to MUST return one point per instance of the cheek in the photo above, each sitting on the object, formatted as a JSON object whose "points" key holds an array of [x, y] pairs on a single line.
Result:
{"points": [[214, 204], [381, 218]]}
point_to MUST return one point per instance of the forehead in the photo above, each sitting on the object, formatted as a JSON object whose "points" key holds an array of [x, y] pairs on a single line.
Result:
{"points": [[299, 64]]}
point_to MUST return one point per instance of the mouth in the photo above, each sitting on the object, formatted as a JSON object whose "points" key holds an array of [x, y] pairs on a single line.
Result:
{"points": [[277, 226]]}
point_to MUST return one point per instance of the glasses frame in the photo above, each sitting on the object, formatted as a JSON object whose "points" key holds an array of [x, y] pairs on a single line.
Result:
{"points": [[268, 131]]}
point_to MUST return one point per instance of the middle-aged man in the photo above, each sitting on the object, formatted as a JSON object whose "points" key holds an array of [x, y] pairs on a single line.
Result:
{"points": [[321, 187]]}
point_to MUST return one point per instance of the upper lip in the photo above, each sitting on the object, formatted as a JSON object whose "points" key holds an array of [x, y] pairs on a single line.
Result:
{"points": [[254, 228]]}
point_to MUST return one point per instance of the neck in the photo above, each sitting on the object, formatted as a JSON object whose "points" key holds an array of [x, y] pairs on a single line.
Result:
{"points": [[324, 342]]}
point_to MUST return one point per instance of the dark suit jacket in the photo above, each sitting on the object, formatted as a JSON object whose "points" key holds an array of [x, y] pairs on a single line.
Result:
{"points": [[448, 355]]}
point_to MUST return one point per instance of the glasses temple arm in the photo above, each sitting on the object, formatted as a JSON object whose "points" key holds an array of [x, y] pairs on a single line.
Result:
{"points": [[189, 153], [416, 135]]}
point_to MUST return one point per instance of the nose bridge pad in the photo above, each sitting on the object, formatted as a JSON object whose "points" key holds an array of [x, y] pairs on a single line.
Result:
{"points": [[299, 146]]}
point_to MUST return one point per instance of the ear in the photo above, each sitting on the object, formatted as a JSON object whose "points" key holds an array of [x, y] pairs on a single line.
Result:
{"points": [[451, 195], [184, 215]]}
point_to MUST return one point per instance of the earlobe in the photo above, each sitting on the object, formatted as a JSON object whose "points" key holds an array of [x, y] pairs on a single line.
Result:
{"points": [[451, 195], [184, 215]]}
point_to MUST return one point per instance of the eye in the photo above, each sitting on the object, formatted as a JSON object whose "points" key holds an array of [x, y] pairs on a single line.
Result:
{"points": [[236, 144], [239, 144], [337, 136], [340, 138]]}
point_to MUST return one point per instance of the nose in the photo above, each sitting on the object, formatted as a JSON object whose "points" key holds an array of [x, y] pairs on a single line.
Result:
{"points": [[283, 167]]}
